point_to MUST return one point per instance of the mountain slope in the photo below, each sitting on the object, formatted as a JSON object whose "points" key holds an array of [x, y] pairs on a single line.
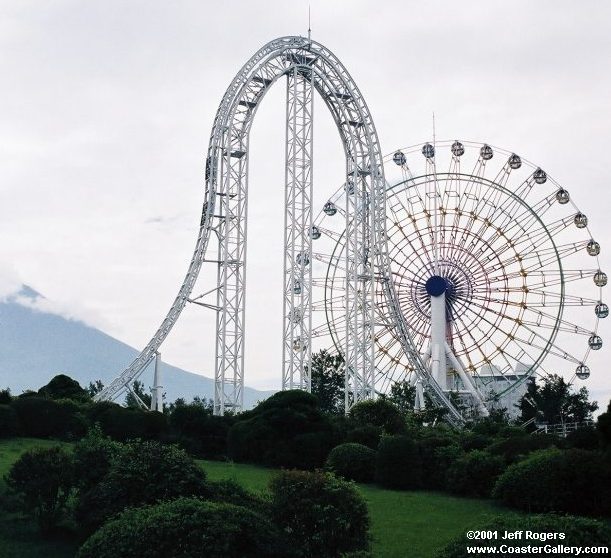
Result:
{"points": [[35, 346]]}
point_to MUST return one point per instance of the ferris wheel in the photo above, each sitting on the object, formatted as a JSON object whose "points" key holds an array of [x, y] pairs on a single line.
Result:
{"points": [[496, 271]]}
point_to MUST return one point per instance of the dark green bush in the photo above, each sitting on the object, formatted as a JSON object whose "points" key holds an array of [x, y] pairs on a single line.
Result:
{"points": [[603, 427], [286, 430], [143, 472], [353, 462], [5, 397], [8, 421], [185, 528], [198, 431], [93, 456], [379, 412], [584, 438], [475, 473], [230, 492], [438, 450], [470, 441], [43, 479], [573, 481], [398, 463], [516, 447], [320, 515], [121, 423], [39, 417], [368, 435], [579, 531]]}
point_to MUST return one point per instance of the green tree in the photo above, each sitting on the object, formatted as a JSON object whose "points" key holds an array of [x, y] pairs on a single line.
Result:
{"points": [[379, 412], [327, 377], [137, 391], [43, 479], [402, 394], [554, 401], [63, 387], [94, 388]]}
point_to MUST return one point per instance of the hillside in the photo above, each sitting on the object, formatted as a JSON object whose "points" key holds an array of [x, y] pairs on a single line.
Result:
{"points": [[35, 346]]}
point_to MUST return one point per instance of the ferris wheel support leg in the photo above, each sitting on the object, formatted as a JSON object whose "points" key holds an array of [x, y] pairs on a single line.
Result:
{"points": [[156, 395], [419, 402], [467, 381], [297, 315]]}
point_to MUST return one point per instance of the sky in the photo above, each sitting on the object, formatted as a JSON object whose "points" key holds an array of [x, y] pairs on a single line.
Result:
{"points": [[106, 109]]}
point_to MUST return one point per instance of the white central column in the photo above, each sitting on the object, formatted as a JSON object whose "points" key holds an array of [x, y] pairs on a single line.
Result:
{"points": [[436, 287]]}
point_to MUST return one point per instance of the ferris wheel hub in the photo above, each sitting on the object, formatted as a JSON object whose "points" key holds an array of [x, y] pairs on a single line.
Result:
{"points": [[436, 285]]}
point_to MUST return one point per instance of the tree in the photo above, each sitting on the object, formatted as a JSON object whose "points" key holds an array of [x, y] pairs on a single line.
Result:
{"points": [[63, 387], [554, 401], [94, 388], [379, 412], [43, 478], [402, 395], [137, 391], [327, 377], [286, 430]]}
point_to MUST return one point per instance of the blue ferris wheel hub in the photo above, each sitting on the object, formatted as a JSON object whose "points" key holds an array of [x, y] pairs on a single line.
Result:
{"points": [[436, 285]]}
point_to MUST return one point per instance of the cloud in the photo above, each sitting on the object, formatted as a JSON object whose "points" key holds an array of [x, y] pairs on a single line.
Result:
{"points": [[10, 282]]}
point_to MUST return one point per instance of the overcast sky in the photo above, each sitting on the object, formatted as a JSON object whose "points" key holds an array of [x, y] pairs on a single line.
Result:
{"points": [[106, 108]]}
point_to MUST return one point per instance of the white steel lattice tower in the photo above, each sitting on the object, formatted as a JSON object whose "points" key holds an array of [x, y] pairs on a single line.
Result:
{"points": [[297, 317]]}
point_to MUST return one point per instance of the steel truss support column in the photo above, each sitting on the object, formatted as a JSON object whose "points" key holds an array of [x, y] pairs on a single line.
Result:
{"points": [[231, 233], [360, 259], [297, 316]]}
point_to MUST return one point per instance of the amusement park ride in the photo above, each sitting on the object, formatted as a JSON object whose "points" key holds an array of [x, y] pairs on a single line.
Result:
{"points": [[459, 267]]}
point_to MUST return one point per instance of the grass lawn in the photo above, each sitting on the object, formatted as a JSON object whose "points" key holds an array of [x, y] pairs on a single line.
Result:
{"points": [[404, 524], [19, 536], [414, 524]]}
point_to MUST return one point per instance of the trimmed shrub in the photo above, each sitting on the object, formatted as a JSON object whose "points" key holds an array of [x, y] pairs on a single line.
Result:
{"points": [[398, 463], [143, 472], [185, 528], [380, 413], [475, 473], [43, 479], [579, 532], [353, 462], [230, 492], [8, 421], [517, 447], [438, 450], [574, 481], [368, 435], [319, 514], [93, 456], [286, 430]]}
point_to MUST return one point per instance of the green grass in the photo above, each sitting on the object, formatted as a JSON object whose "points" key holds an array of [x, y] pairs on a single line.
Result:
{"points": [[19, 536], [403, 524], [414, 524]]}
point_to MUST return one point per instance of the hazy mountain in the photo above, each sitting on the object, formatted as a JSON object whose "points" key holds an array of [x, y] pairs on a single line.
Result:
{"points": [[35, 346]]}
